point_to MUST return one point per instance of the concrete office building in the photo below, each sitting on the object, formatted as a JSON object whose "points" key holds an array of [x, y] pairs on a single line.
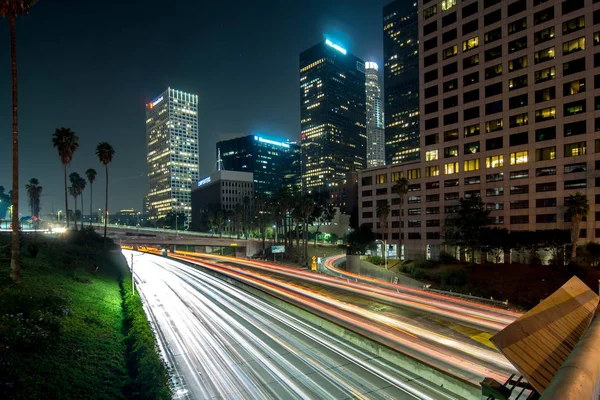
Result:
{"points": [[332, 114], [172, 138], [375, 127], [401, 81], [221, 190], [508, 113]]}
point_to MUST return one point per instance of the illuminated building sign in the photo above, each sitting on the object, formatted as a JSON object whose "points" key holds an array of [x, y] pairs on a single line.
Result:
{"points": [[155, 102], [335, 46], [204, 181], [273, 142], [371, 65]]}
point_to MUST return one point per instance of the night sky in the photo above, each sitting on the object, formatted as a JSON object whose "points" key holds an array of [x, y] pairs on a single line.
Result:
{"points": [[91, 66]]}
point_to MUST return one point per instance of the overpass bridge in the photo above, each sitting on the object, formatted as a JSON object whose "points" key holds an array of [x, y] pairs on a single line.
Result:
{"points": [[182, 240]]}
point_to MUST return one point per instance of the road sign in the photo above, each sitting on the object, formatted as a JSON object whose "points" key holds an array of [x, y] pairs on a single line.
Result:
{"points": [[278, 249], [314, 263]]}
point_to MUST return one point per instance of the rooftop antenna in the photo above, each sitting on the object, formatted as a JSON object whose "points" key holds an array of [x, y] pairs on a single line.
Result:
{"points": [[219, 161]]}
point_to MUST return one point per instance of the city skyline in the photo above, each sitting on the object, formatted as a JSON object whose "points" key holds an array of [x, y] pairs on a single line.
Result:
{"points": [[117, 73]]}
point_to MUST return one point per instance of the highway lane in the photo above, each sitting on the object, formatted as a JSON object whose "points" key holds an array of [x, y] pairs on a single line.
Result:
{"points": [[455, 356], [226, 343]]}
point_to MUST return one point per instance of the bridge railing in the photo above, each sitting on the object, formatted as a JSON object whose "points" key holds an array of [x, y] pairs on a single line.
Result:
{"points": [[578, 378], [161, 230]]}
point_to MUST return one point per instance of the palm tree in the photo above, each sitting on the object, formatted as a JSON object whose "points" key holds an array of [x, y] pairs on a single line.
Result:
{"points": [[220, 220], [383, 212], [76, 190], [105, 153], [73, 192], [307, 206], [91, 176], [577, 209], [401, 189], [11, 9], [261, 201], [81, 183], [67, 143], [34, 192], [211, 220], [246, 202]]}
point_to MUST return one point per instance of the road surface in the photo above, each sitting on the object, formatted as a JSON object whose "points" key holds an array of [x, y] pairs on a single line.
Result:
{"points": [[225, 343]]}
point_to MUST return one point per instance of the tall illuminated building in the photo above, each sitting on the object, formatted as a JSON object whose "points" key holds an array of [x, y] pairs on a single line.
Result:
{"points": [[375, 127], [271, 161], [332, 113], [401, 81], [172, 136]]}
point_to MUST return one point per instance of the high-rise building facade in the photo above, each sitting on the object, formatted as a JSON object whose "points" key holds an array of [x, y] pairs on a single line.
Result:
{"points": [[332, 113], [509, 113], [375, 127], [172, 137], [401, 81], [272, 162]]}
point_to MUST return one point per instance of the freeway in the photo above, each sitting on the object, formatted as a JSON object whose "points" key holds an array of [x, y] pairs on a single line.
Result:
{"points": [[435, 342], [225, 343]]}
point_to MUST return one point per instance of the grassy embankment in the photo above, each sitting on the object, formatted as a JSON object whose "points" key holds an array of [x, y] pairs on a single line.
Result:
{"points": [[71, 330]]}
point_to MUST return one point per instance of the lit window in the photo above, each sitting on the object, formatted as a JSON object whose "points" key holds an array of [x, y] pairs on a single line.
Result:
{"points": [[434, 170], [546, 153], [495, 125], [397, 175], [545, 114], [430, 12], [520, 157], [381, 179], [413, 173], [431, 155], [451, 168], [573, 45], [575, 149], [544, 55], [494, 161], [448, 4], [470, 43], [450, 52], [471, 165]]}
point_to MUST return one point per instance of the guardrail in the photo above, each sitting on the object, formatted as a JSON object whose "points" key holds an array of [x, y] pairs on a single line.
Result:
{"points": [[161, 230]]}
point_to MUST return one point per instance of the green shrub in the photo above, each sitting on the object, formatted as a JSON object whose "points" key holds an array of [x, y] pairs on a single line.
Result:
{"points": [[417, 273], [33, 249], [377, 260], [446, 258], [150, 378], [425, 264], [454, 278]]}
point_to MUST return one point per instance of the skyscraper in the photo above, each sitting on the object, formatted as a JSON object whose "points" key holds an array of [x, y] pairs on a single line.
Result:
{"points": [[375, 128], [401, 81], [271, 161], [172, 135], [332, 113]]}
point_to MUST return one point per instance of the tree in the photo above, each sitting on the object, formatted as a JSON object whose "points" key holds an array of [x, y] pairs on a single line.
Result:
{"points": [[11, 9], [360, 239], [323, 211], [67, 143], [81, 183], [220, 220], [307, 206], [496, 241], [246, 201], [262, 202], [383, 212], [577, 209], [91, 176], [34, 193], [211, 220], [174, 220], [5, 200], [75, 190], [463, 228], [105, 153], [401, 189], [238, 217]]}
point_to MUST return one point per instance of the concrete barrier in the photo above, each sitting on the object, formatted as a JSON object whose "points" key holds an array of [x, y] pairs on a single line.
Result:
{"points": [[578, 378], [461, 388]]}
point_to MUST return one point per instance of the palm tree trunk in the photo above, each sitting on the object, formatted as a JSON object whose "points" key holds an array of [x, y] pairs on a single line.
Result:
{"points": [[66, 195], [91, 197], [15, 262], [399, 251], [81, 209], [75, 212], [106, 206]]}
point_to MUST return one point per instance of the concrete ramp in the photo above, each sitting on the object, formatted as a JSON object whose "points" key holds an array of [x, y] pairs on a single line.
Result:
{"points": [[540, 341]]}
